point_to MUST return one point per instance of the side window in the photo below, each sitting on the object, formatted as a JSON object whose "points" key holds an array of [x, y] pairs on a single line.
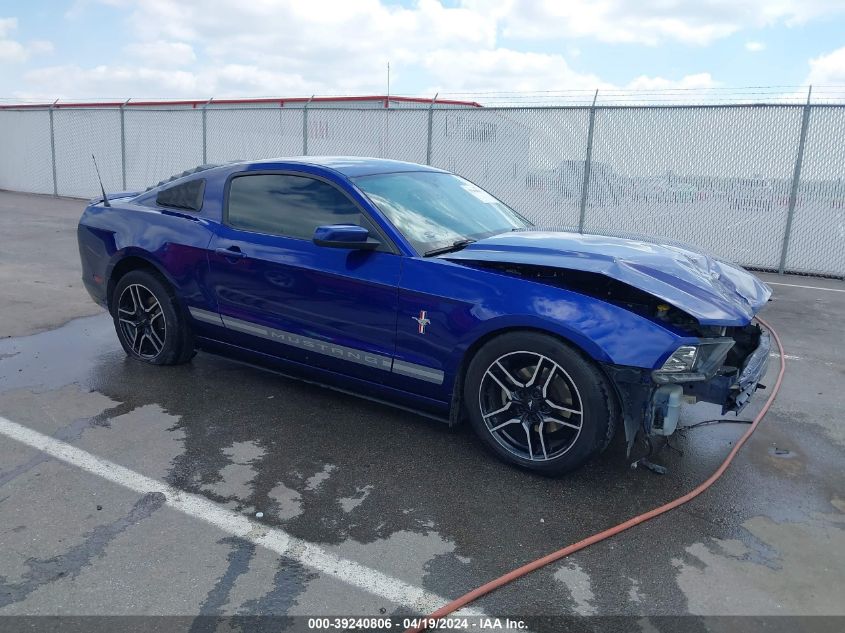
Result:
{"points": [[292, 206], [187, 195]]}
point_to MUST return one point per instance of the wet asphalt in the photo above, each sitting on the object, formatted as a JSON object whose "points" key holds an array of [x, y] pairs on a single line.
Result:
{"points": [[398, 493]]}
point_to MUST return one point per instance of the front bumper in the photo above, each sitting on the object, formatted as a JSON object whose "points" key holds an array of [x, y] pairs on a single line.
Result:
{"points": [[734, 391], [752, 373], [654, 408]]}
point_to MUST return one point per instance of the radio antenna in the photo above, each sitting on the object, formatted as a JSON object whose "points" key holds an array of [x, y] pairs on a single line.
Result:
{"points": [[106, 202]]}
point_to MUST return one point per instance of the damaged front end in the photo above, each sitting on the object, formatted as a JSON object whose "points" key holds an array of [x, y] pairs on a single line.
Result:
{"points": [[722, 364], [706, 303], [725, 370]]}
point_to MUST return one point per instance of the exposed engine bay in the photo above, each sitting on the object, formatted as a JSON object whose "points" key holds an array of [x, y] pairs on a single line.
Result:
{"points": [[610, 290]]}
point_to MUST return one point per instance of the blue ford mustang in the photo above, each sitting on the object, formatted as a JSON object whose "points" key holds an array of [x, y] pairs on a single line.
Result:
{"points": [[411, 285]]}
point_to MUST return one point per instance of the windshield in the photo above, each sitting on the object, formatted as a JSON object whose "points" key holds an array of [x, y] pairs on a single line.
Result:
{"points": [[434, 210]]}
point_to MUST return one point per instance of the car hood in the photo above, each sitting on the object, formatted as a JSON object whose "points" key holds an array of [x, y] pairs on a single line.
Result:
{"points": [[712, 291]]}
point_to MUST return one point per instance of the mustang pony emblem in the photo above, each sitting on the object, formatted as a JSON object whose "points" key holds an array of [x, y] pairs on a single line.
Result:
{"points": [[422, 321]]}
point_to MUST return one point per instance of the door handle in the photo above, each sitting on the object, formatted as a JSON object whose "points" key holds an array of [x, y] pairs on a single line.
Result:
{"points": [[232, 252]]}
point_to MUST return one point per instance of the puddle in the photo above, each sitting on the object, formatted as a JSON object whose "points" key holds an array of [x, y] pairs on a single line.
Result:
{"points": [[721, 578], [59, 357], [577, 583]]}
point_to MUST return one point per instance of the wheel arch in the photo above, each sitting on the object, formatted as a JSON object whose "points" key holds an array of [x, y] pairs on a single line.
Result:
{"points": [[456, 412], [128, 262]]}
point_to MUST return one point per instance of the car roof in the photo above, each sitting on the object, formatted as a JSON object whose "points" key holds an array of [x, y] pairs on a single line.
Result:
{"points": [[347, 166], [350, 166]]}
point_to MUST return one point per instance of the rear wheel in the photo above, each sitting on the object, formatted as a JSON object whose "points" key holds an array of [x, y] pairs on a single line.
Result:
{"points": [[149, 321], [537, 403]]}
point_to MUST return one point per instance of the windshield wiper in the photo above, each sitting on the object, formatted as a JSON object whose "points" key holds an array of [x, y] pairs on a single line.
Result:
{"points": [[454, 246]]}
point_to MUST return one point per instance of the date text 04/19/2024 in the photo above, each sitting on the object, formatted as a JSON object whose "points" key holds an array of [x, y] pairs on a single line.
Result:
{"points": [[481, 623]]}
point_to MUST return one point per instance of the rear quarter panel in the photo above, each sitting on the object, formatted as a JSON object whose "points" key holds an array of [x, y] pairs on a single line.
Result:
{"points": [[173, 243]]}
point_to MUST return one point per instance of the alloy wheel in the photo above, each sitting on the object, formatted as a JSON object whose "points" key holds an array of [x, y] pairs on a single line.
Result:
{"points": [[142, 321], [531, 406]]}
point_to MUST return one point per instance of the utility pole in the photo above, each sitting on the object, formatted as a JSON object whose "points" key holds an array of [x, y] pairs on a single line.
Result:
{"points": [[585, 184], [430, 129], [53, 148], [305, 126], [205, 131], [796, 181], [123, 142], [386, 141]]}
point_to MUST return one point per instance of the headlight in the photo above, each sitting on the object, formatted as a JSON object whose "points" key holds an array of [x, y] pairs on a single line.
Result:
{"points": [[690, 363], [682, 359]]}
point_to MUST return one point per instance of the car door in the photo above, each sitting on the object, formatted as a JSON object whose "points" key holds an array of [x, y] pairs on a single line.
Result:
{"points": [[281, 294]]}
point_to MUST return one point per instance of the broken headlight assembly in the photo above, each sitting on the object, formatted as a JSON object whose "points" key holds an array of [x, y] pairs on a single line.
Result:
{"points": [[691, 363]]}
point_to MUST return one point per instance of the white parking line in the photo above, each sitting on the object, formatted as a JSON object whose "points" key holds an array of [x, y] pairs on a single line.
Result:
{"points": [[274, 539], [777, 283]]}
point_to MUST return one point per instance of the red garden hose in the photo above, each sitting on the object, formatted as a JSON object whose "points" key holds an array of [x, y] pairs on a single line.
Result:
{"points": [[645, 516]]}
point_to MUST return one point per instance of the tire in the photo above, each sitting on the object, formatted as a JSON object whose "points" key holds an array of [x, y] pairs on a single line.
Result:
{"points": [[537, 403], [158, 334]]}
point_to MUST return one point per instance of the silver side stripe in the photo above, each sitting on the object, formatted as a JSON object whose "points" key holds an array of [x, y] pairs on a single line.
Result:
{"points": [[376, 361], [310, 344], [418, 371], [205, 315]]}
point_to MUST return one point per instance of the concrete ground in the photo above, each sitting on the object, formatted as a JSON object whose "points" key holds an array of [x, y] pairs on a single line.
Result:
{"points": [[372, 511]]}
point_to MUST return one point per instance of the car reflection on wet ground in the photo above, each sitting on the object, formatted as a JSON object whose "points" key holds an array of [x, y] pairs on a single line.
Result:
{"points": [[397, 494]]}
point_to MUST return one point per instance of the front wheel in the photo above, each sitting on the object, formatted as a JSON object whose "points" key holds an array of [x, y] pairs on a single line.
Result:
{"points": [[150, 323], [538, 403]]}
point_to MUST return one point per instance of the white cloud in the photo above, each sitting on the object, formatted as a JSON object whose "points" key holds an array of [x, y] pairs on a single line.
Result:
{"points": [[699, 81], [7, 25], [162, 53], [288, 47], [223, 48], [323, 46], [12, 50], [499, 70], [294, 27], [755, 47], [78, 7], [119, 82], [648, 21], [828, 69], [271, 47], [506, 70]]}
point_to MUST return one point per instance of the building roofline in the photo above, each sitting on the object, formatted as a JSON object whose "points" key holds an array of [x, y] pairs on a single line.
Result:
{"points": [[195, 103]]}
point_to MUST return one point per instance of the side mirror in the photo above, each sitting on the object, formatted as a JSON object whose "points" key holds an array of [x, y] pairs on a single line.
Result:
{"points": [[344, 236]]}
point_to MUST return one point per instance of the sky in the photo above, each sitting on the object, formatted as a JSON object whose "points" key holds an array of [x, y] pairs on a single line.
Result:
{"points": [[117, 49]]}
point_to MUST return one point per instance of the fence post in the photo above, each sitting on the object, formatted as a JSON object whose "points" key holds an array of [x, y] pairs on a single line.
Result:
{"points": [[205, 132], [796, 179], [305, 126], [586, 184], [53, 149], [430, 129], [123, 143]]}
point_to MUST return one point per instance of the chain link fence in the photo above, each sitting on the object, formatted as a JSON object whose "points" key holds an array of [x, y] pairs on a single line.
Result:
{"points": [[762, 185]]}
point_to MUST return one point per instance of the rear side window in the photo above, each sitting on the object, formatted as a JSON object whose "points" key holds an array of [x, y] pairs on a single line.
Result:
{"points": [[292, 206], [187, 195]]}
